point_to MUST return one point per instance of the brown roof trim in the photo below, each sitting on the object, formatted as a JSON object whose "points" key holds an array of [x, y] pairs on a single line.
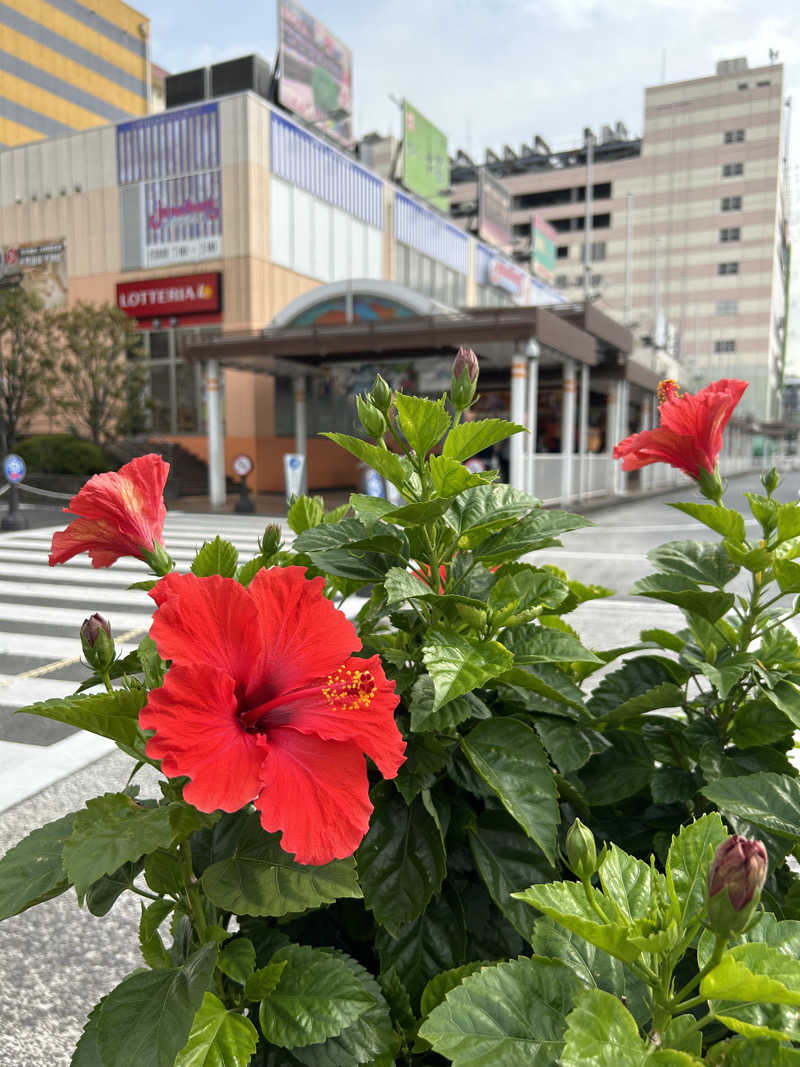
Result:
{"points": [[419, 335]]}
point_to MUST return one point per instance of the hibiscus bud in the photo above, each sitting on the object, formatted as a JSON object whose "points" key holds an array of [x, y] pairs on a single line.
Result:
{"points": [[98, 644], [373, 420], [464, 378], [270, 541], [381, 395], [770, 479], [581, 852], [735, 880]]}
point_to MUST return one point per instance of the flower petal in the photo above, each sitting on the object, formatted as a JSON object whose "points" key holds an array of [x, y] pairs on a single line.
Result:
{"points": [[355, 703], [303, 635], [317, 793], [206, 621], [661, 446], [100, 538], [198, 734]]}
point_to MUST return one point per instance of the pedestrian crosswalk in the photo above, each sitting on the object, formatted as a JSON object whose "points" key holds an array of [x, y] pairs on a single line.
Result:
{"points": [[41, 611]]}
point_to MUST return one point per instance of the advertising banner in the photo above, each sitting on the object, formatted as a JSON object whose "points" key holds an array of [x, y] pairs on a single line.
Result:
{"points": [[543, 249], [41, 266], [174, 301], [503, 274], [168, 167], [494, 210], [316, 72], [426, 170]]}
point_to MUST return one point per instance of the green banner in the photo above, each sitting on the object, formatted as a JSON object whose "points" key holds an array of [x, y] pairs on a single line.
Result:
{"points": [[425, 164]]}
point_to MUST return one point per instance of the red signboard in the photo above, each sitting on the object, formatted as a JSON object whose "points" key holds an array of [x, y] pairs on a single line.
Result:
{"points": [[166, 298]]}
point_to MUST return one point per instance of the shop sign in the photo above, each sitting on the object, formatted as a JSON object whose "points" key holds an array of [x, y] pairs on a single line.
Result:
{"points": [[504, 275], [190, 294], [41, 267]]}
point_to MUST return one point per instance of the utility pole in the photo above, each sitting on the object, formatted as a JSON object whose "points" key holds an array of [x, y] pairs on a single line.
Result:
{"points": [[588, 140]]}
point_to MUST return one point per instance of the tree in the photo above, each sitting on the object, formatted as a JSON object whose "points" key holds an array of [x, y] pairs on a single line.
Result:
{"points": [[101, 367], [26, 360]]}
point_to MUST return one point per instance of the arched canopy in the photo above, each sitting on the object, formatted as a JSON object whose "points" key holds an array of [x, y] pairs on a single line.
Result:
{"points": [[356, 301]]}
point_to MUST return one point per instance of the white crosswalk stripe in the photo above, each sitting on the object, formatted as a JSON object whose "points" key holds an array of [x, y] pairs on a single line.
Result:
{"points": [[41, 610]]}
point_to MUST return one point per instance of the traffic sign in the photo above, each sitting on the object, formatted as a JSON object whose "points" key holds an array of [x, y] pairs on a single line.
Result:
{"points": [[14, 468]]}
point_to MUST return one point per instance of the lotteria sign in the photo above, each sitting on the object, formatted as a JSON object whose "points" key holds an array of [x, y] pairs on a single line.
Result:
{"points": [[505, 275], [189, 294]]}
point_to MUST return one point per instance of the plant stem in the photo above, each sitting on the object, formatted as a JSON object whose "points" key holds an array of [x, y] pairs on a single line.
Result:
{"points": [[194, 900], [716, 956]]}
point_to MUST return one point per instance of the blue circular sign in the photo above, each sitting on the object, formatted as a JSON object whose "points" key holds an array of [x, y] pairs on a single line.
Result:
{"points": [[294, 462], [14, 467]]}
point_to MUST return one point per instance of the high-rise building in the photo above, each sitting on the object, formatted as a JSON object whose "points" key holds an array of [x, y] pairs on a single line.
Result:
{"points": [[67, 66], [688, 235]]}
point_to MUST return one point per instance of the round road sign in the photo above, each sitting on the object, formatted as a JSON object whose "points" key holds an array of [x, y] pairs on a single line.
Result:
{"points": [[14, 467], [242, 465]]}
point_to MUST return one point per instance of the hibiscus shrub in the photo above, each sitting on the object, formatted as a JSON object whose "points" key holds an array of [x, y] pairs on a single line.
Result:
{"points": [[356, 857]]}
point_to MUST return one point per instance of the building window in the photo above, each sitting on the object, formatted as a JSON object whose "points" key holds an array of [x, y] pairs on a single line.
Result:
{"points": [[561, 281], [727, 307], [562, 252], [733, 136], [731, 203], [727, 268], [598, 251], [760, 85], [742, 85], [724, 346], [732, 170], [730, 233]]}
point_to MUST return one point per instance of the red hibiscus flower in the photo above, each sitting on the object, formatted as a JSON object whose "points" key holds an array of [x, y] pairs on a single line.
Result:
{"points": [[119, 514], [690, 434], [265, 702]]}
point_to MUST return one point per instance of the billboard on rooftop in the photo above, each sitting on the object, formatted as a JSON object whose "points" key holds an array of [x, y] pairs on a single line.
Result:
{"points": [[426, 170]]}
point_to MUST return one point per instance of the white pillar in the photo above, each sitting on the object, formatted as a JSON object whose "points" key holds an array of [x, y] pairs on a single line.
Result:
{"points": [[533, 415], [645, 474], [567, 428], [583, 435], [623, 428], [519, 381], [216, 444], [299, 385], [611, 436]]}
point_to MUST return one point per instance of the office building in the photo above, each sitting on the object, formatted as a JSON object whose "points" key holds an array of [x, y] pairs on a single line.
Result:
{"points": [[66, 65], [688, 231]]}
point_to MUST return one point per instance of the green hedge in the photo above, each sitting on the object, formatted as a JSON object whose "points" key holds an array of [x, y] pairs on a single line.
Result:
{"points": [[61, 453]]}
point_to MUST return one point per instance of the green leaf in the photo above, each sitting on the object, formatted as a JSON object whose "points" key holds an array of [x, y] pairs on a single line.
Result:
{"points": [[508, 755], [724, 521], [262, 982], [683, 592], [125, 665], [146, 1020], [622, 771], [755, 972], [401, 861], [433, 942], [426, 755], [788, 521], [687, 865], [153, 666], [753, 1052], [402, 585], [150, 943], [259, 878], [700, 561], [438, 988], [478, 512], [569, 745], [642, 684], [520, 586], [422, 422], [771, 801], [760, 722], [369, 509], [371, 1039], [540, 644], [335, 549], [507, 860], [32, 871], [505, 1016], [237, 959], [114, 715], [418, 513], [449, 715], [218, 1038], [548, 681], [111, 830], [384, 462], [630, 883], [317, 997], [468, 438], [102, 894], [537, 530], [787, 575], [305, 512], [450, 477], [786, 696], [664, 638], [601, 1032], [216, 557], [457, 666]]}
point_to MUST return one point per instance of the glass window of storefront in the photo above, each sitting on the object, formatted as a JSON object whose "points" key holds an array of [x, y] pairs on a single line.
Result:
{"points": [[175, 388]]}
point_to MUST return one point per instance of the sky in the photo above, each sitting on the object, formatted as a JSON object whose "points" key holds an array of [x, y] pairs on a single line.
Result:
{"points": [[496, 72]]}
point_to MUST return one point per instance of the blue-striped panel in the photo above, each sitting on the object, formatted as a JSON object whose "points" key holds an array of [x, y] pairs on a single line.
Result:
{"points": [[44, 80], [182, 209], [169, 144], [428, 233], [305, 161]]}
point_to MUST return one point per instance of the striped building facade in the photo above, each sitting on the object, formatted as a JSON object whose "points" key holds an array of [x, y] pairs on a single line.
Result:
{"points": [[67, 66]]}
